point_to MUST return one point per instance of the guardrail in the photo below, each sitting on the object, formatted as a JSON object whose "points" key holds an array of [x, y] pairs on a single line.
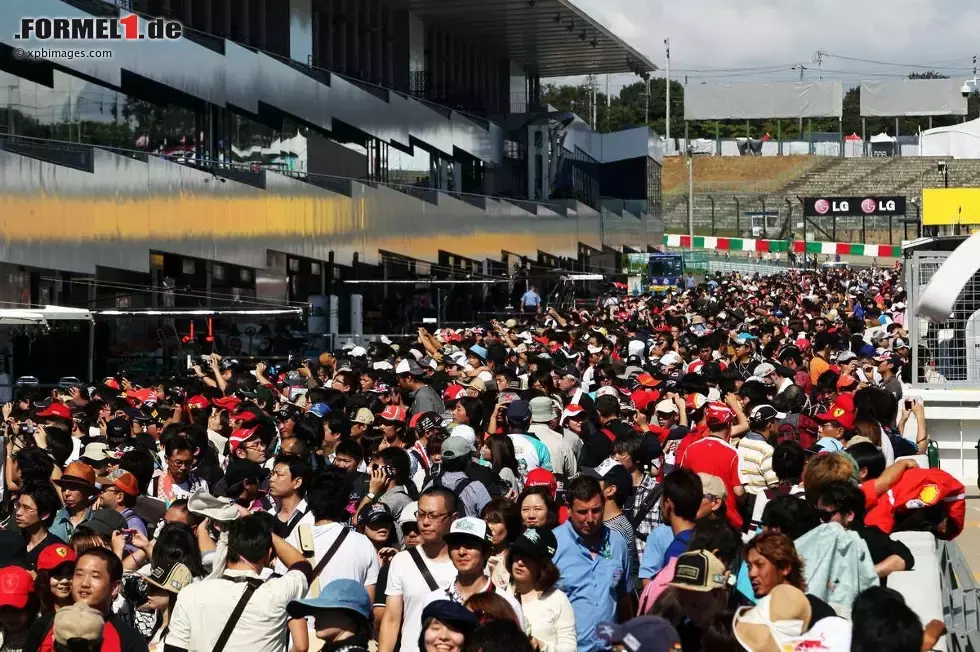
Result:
{"points": [[961, 610]]}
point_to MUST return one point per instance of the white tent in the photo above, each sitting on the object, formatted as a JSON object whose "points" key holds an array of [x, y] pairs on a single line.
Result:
{"points": [[41, 316], [956, 141], [883, 138]]}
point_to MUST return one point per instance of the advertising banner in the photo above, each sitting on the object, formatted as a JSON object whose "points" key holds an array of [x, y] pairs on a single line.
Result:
{"points": [[853, 206]]}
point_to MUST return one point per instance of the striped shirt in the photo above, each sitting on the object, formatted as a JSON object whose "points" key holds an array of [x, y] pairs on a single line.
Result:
{"points": [[622, 525], [755, 463]]}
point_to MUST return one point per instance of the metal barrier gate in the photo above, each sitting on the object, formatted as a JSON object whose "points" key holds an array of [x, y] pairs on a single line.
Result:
{"points": [[945, 353], [961, 610]]}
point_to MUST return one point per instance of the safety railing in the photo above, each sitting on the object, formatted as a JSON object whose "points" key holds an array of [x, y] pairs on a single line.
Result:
{"points": [[961, 607]]}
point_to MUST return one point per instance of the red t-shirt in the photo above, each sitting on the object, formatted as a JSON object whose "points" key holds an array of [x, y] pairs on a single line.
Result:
{"points": [[110, 640], [717, 457], [697, 433]]}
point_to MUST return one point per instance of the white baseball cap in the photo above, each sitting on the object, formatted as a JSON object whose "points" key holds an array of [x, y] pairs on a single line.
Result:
{"points": [[667, 406], [465, 432], [409, 514], [470, 527]]}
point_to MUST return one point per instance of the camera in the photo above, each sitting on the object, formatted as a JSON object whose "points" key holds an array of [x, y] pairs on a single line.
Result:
{"points": [[966, 89], [389, 471], [25, 428]]}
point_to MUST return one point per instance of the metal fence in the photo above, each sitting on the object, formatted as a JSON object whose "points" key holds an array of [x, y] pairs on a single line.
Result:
{"points": [[945, 353], [961, 609]]}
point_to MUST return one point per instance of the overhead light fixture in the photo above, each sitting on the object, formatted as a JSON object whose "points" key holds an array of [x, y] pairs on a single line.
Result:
{"points": [[558, 17]]}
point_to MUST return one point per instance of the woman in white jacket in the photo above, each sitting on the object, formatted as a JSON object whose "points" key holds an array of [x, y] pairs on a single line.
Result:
{"points": [[547, 611]]}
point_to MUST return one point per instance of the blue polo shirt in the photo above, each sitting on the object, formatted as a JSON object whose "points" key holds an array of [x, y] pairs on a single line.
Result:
{"points": [[530, 298], [593, 584], [658, 541], [678, 546]]}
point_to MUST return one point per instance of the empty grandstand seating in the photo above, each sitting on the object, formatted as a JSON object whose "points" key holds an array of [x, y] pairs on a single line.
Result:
{"points": [[751, 183]]}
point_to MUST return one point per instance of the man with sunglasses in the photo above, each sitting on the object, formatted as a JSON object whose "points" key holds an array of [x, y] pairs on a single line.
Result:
{"points": [[843, 503]]}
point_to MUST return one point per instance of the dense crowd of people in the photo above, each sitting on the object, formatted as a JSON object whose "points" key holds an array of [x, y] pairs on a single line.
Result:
{"points": [[719, 467]]}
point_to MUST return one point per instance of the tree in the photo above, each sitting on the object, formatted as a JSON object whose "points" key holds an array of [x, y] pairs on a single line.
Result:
{"points": [[629, 108]]}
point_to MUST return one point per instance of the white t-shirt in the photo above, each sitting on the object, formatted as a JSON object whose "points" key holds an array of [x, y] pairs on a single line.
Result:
{"points": [[203, 609], [450, 594], [355, 559], [405, 579]]}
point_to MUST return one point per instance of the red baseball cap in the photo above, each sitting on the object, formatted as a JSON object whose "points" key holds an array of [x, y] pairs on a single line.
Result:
{"points": [[647, 380], [197, 402], [695, 401], [571, 412], [229, 403], [56, 409], [139, 396], [453, 392], [846, 381], [394, 413], [540, 477], [16, 586], [55, 555], [239, 436], [718, 414], [841, 411], [643, 398]]}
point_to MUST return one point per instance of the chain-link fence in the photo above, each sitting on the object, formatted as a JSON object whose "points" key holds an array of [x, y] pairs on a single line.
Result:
{"points": [[946, 353]]}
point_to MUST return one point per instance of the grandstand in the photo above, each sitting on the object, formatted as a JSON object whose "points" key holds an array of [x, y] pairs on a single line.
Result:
{"points": [[781, 185]]}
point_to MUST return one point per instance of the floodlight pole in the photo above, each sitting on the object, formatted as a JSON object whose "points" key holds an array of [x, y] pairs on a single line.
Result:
{"points": [[667, 129]]}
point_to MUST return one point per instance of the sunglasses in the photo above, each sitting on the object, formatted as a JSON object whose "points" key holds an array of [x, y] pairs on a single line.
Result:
{"points": [[827, 515]]}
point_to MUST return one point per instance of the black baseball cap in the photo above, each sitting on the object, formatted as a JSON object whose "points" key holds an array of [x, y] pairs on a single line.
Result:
{"points": [[536, 543], [614, 473], [519, 411], [427, 421], [376, 513], [763, 414]]}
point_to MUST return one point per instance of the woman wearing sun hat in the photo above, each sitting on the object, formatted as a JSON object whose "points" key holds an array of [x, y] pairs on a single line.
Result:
{"points": [[341, 616]]}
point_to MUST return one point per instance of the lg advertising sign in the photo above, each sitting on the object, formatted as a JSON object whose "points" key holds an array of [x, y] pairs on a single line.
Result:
{"points": [[853, 206]]}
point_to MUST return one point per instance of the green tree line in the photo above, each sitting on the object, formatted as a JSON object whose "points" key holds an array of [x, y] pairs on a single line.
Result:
{"points": [[630, 109]]}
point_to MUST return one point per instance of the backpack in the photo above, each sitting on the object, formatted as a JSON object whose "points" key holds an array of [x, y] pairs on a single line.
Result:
{"points": [[902, 446], [458, 489]]}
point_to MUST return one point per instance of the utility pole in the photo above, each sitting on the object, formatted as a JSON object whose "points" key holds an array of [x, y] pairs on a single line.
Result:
{"points": [[802, 70], [592, 102], [646, 108], [667, 129], [690, 193]]}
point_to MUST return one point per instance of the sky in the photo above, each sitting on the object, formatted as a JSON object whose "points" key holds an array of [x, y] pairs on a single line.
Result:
{"points": [[761, 40]]}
